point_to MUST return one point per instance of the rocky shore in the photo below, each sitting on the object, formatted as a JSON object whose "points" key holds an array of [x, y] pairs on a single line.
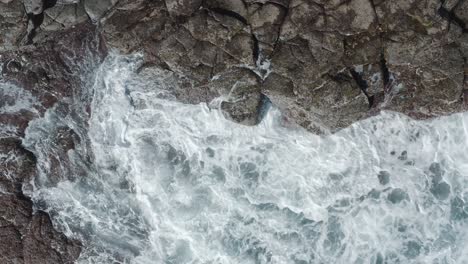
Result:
{"points": [[324, 63]]}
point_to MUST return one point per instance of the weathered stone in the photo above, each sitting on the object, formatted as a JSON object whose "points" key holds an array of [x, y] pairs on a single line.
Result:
{"points": [[461, 13], [266, 24], [17, 165], [242, 99], [97, 9], [33, 6], [42, 244], [12, 24], [31, 239], [235, 6], [64, 15], [182, 7], [38, 78]]}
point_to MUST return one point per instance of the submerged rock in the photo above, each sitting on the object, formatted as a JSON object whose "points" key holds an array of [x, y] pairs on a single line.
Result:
{"points": [[384, 177], [441, 190], [397, 195]]}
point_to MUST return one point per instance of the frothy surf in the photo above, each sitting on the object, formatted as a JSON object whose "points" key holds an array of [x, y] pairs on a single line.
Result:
{"points": [[176, 183]]}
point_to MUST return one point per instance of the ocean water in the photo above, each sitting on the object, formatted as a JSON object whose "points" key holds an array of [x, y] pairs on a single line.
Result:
{"points": [[158, 181]]}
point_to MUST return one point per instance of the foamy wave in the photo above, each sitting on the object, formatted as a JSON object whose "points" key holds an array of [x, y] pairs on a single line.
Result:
{"points": [[176, 183]]}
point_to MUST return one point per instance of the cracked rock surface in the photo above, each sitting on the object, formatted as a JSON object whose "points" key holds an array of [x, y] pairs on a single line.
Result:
{"points": [[324, 63]]}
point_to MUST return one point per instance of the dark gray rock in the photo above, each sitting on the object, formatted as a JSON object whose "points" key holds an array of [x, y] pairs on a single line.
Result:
{"points": [[330, 63], [97, 9], [13, 23]]}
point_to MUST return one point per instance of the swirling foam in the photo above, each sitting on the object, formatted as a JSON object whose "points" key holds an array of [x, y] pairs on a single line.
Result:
{"points": [[176, 183]]}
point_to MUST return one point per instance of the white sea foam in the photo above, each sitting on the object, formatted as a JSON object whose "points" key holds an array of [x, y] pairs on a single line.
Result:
{"points": [[176, 183], [15, 99]]}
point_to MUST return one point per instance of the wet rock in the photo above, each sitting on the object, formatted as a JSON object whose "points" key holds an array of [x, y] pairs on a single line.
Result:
{"points": [[42, 244], [10, 251], [325, 51], [233, 6], [244, 99], [332, 62], [97, 9], [13, 24], [12, 66], [34, 7], [266, 22], [30, 238], [384, 177], [18, 165], [178, 8], [245, 109], [46, 71], [66, 15], [49, 74], [397, 195]]}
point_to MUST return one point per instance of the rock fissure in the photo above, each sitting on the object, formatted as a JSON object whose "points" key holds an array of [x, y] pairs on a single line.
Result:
{"points": [[362, 84], [243, 20], [255, 50], [464, 94], [451, 17], [229, 13], [280, 26], [387, 82], [38, 19]]}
